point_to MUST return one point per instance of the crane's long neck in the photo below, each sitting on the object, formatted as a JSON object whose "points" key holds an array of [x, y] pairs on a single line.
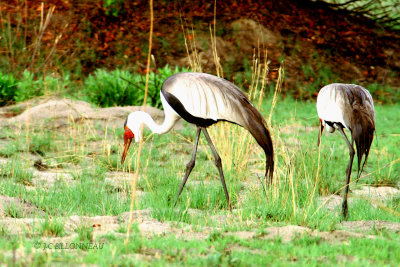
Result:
{"points": [[165, 127]]}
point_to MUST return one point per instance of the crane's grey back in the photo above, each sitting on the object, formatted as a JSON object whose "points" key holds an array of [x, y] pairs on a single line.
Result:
{"points": [[208, 97], [213, 99]]}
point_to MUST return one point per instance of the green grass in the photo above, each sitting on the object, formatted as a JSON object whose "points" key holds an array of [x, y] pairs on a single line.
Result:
{"points": [[220, 250], [18, 171], [292, 199], [85, 233], [13, 211], [52, 228]]}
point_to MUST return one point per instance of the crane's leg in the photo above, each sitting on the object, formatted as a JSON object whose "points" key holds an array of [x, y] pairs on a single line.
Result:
{"points": [[219, 166], [190, 165], [321, 128], [348, 171]]}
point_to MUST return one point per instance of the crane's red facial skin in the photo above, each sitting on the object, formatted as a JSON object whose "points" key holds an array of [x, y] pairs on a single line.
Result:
{"points": [[128, 136]]}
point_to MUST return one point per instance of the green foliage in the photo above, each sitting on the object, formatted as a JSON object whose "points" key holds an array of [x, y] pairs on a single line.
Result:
{"points": [[52, 228], [244, 78], [87, 196], [111, 88], [27, 87], [113, 7], [8, 86], [121, 88], [384, 12]]}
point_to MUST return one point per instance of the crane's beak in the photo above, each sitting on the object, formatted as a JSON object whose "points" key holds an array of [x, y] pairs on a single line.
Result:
{"points": [[128, 136]]}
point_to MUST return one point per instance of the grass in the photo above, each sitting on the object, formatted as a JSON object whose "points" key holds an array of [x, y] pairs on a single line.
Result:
{"points": [[52, 228], [293, 198], [303, 173], [13, 211], [85, 233], [226, 250], [17, 171]]}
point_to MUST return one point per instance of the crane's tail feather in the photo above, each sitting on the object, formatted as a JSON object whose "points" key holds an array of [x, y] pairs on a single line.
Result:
{"points": [[257, 127], [363, 136]]}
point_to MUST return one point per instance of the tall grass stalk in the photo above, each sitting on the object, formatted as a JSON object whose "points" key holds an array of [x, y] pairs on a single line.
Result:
{"points": [[135, 179], [235, 144], [218, 67], [21, 54], [191, 48], [44, 23]]}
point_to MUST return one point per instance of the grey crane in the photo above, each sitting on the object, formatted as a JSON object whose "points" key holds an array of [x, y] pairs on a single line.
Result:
{"points": [[349, 106], [203, 100]]}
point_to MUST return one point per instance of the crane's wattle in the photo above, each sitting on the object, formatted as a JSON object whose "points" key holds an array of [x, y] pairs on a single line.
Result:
{"points": [[128, 136]]}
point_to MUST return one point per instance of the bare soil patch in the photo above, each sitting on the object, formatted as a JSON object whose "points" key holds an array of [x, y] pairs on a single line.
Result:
{"points": [[365, 226], [377, 193], [47, 179], [22, 208]]}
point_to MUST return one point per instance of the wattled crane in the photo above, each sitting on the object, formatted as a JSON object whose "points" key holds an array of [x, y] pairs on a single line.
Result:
{"points": [[349, 106], [203, 100]]}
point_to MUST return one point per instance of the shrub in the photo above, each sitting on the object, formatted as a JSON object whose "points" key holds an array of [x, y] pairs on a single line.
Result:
{"points": [[8, 87], [28, 87], [113, 7], [111, 88], [121, 88]]}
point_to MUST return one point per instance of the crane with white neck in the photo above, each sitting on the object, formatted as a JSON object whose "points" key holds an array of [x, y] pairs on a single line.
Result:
{"points": [[203, 100]]}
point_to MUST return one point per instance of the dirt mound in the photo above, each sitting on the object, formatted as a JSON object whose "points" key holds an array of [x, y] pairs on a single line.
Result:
{"points": [[248, 35], [377, 193], [339, 235], [56, 113], [47, 179], [362, 226], [331, 202], [15, 208], [374, 194]]}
